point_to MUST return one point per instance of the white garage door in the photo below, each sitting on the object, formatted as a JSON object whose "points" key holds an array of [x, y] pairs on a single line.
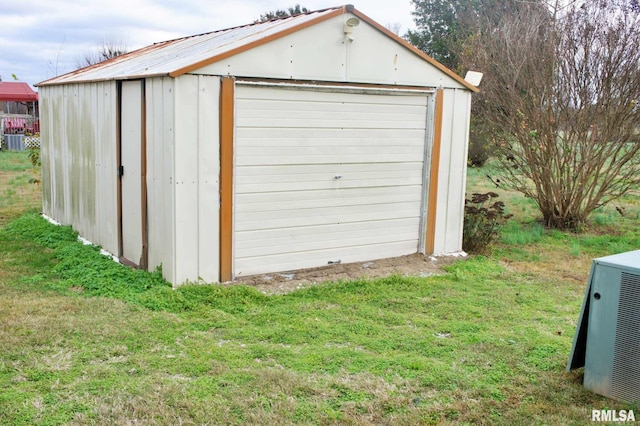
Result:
{"points": [[326, 176]]}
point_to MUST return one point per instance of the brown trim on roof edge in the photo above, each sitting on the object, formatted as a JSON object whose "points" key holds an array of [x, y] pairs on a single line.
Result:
{"points": [[59, 80], [256, 43], [52, 82], [227, 98], [432, 203]]}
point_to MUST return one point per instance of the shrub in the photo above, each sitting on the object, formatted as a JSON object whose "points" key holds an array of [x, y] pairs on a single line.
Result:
{"points": [[483, 218], [34, 157], [480, 144]]}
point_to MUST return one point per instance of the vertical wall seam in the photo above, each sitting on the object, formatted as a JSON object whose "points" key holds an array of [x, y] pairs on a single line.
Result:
{"points": [[433, 175], [198, 172], [144, 261], [173, 87], [227, 96], [118, 164], [426, 159], [450, 171], [467, 133]]}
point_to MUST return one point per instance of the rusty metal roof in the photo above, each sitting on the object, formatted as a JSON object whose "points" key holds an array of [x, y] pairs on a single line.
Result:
{"points": [[175, 57]]}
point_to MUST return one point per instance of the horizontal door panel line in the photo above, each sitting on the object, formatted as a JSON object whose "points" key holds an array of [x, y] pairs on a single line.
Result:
{"points": [[331, 164], [336, 211], [301, 160], [288, 224], [254, 239], [312, 204], [259, 265], [334, 88], [276, 178], [240, 192], [270, 124], [310, 247]]}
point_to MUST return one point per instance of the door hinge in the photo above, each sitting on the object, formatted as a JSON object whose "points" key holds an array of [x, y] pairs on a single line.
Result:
{"points": [[120, 171]]}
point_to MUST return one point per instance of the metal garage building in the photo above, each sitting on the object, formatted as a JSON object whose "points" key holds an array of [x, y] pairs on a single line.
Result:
{"points": [[274, 146]]}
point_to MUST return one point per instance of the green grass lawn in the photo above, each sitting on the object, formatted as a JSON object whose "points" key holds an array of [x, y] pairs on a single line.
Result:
{"points": [[84, 340]]}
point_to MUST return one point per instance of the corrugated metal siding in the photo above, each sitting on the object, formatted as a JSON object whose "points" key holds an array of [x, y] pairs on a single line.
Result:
{"points": [[131, 123], [452, 173], [78, 138], [160, 174], [196, 178], [326, 176], [166, 57]]}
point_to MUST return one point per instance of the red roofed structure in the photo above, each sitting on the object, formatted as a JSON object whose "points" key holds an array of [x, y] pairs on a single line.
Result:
{"points": [[18, 113], [17, 91]]}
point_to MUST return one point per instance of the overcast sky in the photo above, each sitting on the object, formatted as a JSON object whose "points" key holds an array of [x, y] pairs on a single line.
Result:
{"points": [[40, 39]]}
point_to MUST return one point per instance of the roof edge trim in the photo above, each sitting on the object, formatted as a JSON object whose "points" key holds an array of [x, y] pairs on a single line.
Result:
{"points": [[60, 79], [102, 80], [248, 46], [414, 49]]}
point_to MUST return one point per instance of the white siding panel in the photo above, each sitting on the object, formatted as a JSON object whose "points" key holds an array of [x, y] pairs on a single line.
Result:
{"points": [[347, 213], [452, 173], [196, 184], [48, 143], [160, 188], [299, 260], [295, 56], [269, 200], [279, 137], [131, 154], [69, 150], [186, 183], [105, 116], [457, 170], [321, 53], [97, 109], [325, 176], [155, 210], [78, 141], [375, 57], [317, 235], [208, 178]]}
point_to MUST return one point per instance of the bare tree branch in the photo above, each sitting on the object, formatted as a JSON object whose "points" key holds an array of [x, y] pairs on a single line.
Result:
{"points": [[560, 96], [111, 47]]}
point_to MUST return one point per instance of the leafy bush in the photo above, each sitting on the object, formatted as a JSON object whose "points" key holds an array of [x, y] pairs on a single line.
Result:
{"points": [[483, 218]]}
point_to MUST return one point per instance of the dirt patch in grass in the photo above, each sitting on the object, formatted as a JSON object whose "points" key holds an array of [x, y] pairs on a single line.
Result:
{"points": [[284, 282]]}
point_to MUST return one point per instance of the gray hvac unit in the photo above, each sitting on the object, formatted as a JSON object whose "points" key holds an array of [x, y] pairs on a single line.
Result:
{"points": [[14, 142], [607, 341]]}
